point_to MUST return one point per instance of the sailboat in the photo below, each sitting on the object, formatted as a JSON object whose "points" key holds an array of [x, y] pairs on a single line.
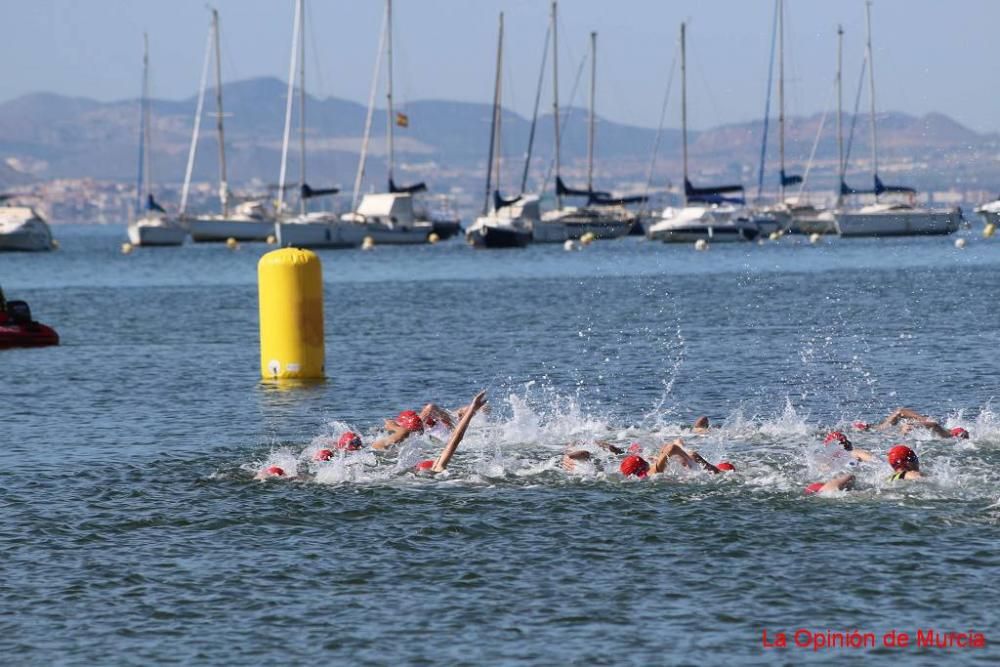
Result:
{"points": [[603, 216], [707, 214], [22, 227], [900, 218], [789, 212], [320, 229], [504, 223], [152, 227], [249, 220], [388, 217]]}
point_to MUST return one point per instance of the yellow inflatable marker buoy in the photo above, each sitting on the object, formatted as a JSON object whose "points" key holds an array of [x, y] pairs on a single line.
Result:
{"points": [[271, 239], [126, 248], [290, 288], [232, 243], [368, 243], [988, 230], [433, 238], [774, 236], [587, 238]]}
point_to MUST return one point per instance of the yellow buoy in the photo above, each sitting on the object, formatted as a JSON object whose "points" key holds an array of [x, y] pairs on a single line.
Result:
{"points": [[290, 287], [587, 238], [701, 244], [774, 236], [433, 238], [271, 239], [368, 243], [126, 248], [232, 243], [988, 230]]}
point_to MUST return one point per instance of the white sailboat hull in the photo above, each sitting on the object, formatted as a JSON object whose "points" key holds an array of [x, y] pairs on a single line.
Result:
{"points": [[318, 234], [156, 232], [897, 222], [219, 230]]}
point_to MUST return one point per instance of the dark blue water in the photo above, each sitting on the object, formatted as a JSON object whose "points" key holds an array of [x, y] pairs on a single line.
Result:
{"points": [[133, 530]]}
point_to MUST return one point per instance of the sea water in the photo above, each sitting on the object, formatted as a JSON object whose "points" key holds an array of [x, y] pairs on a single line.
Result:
{"points": [[133, 529]]}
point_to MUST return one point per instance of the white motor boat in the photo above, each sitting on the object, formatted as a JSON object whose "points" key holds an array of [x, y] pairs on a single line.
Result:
{"points": [[896, 219], [23, 228], [388, 218], [510, 224], [318, 230], [156, 229], [249, 221], [715, 223]]}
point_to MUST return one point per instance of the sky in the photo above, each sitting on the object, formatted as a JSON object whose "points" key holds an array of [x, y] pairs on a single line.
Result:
{"points": [[930, 55]]}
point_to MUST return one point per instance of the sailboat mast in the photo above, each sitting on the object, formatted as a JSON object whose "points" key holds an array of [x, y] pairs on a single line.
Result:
{"points": [[590, 129], [302, 107], [390, 117], [498, 105], [140, 181], [223, 183], [534, 115], [555, 94], [288, 108], [684, 108], [147, 167], [781, 97], [199, 108], [871, 87], [494, 121], [360, 175], [840, 112]]}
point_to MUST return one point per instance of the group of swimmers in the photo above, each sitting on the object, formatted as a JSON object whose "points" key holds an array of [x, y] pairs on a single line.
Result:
{"points": [[451, 428]]}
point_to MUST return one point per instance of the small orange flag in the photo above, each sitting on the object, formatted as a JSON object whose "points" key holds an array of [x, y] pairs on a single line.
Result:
{"points": [[402, 120]]}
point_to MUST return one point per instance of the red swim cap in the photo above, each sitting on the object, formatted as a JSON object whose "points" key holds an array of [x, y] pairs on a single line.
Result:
{"points": [[274, 471], [959, 432], [633, 465], [813, 488], [861, 426], [725, 465], [837, 436], [349, 441], [902, 457], [323, 455], [424, 465], [410, 420]]}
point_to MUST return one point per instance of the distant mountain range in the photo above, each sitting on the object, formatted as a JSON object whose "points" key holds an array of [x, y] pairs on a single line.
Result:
{"points": [[46, 136]]}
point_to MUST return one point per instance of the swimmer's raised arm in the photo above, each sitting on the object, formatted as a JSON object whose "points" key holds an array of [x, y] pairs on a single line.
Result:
{"points": [[432, 411], [705, 464], [604, 444], [397, 434], [456, 436], [675, 448]]}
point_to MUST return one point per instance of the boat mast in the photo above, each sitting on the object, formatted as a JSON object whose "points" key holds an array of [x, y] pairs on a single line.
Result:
{"points": [[498, 105], [781, 97], [302, 107], [494, 123], [840, 113], [590, 129], [684, 109], [199, 108], [390, 117], [288, 107], [223, 184], [555, 94], [363, 158], [871, 87], [534, 115], [141, 181]]}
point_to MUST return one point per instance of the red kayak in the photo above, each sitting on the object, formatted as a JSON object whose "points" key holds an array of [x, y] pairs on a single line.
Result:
{"points": [[17, 329]]}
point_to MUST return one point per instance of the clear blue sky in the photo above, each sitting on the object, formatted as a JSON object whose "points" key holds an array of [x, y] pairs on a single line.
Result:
{"points": [[931, 55]]}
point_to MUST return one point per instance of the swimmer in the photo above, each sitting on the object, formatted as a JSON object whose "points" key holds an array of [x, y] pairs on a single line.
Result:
{"points": [[634, 465], [270, 472], [842, 482], [441, 463], [701, 425], [904, 462], [574, 456], [912, 419], [841, 439], [349, 442], [410, 421]]}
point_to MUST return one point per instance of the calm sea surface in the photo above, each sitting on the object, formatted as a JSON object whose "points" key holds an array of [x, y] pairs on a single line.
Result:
{"points": [[132, 529]]}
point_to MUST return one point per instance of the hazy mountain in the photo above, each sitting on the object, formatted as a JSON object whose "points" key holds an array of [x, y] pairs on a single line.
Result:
{"points": [[47, 136]]}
